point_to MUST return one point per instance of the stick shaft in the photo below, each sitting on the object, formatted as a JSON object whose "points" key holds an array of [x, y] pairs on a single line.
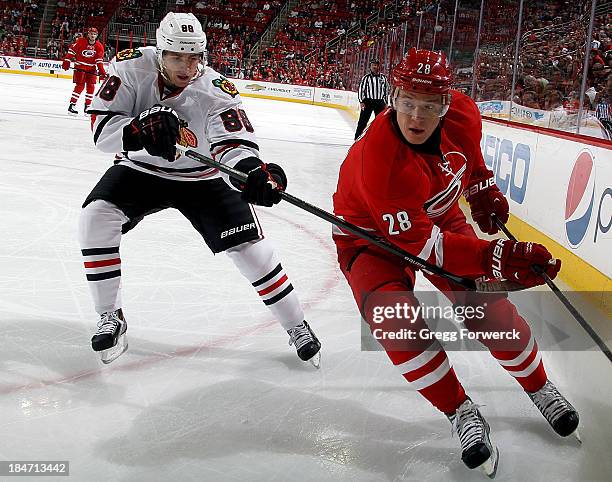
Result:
{"points": [[357, 231], [559, 294]]}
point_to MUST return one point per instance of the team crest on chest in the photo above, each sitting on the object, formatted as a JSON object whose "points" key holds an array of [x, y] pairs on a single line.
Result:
{"points": [[187, 138], [226, 86], [443, 200], [128, 54]]}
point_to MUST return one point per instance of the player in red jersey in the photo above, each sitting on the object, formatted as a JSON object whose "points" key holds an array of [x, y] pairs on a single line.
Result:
{"points": [[402, 180], [87, 53]]}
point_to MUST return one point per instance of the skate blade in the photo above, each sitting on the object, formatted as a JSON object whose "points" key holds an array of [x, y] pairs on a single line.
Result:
{"points": [[576, 434], [315, 361], [489, 467], [107, 356]]}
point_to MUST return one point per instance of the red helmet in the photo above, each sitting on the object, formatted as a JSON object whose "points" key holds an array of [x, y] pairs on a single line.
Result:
{"points": [[92, 29], [423, 71]]}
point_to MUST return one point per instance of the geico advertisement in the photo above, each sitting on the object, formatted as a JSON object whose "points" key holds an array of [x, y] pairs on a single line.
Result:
{"points": [[560, 187]]}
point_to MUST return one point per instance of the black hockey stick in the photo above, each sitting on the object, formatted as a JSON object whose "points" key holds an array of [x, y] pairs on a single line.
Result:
{"points": [[472, 285], [559, 294]]}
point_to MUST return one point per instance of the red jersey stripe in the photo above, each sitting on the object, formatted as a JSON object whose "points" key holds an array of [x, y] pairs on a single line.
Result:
{"points": [[273, 286], [101, 263]]}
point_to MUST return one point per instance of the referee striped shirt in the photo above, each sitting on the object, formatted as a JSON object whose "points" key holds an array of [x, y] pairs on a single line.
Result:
{"points": [[373, 86], [603, 111]]}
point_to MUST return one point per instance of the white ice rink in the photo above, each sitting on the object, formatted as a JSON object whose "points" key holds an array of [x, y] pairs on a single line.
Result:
{"points": [[209, 390]]}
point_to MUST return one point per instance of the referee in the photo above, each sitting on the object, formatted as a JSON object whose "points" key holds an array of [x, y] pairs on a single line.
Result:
{"points": [[373, 91]]}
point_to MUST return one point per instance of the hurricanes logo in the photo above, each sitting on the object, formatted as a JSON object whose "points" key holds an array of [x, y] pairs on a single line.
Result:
{"points": [[186, 139], [128, 54], [88, 53], [226, 86]]}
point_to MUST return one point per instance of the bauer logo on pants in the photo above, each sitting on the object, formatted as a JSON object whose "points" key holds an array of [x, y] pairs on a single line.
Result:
{"points": [[238, 229]]}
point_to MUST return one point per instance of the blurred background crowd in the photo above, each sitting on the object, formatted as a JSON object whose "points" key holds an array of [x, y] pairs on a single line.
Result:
{"points": [[329, 43]]}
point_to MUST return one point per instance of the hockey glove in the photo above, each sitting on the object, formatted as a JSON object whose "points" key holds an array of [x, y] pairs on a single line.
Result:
{"points": [[264, 183], [515, 261], [485, 199], [101, 73], [66, 64], [156, 130]]}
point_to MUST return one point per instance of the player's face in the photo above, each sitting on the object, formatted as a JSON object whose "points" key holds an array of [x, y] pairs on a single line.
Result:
{"points": [[180, 68], [92, 36], [418, 114]]}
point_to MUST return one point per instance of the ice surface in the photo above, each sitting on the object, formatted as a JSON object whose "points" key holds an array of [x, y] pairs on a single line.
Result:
{"points": [[209, 389]]}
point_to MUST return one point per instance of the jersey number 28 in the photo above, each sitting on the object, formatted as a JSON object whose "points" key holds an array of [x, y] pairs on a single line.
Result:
{"points": [[402, 220]]}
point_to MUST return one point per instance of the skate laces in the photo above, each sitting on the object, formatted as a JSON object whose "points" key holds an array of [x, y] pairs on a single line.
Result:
{"points": [[108, 323], [300, 335], [468, 424], [550, 402]]}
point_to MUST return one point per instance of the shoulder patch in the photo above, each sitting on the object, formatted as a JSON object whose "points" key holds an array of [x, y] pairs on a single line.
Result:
{"points": [[128, 54], [226, 86]]}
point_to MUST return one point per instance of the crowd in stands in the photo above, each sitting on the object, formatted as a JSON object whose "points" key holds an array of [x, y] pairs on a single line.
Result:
{"points": [[138, 12], [550, 62], [16, 25]]}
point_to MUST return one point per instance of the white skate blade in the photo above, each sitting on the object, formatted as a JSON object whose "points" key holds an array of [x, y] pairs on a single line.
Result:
{"points": [[315, 361], [116, 351], [576, 434], [489, 468]]}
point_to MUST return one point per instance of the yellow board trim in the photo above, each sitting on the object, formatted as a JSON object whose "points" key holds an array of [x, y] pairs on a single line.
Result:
{"points": [[575, 271], [40, 74]]}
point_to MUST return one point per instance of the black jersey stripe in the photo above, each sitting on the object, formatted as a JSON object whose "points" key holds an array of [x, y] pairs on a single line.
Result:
{"points": [[242, 142], [103, 276], [269, 276], [103, 122], [96, 251], [279, 296]]}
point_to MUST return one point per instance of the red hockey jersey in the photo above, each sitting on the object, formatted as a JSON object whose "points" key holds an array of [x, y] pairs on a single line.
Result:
{"points": [[86, 56], [409, 194]]}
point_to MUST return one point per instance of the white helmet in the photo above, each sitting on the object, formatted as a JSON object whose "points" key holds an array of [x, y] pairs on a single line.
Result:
{"points": [[181, 32]]}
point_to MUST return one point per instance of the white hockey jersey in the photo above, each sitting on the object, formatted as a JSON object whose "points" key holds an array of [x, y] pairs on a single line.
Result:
{"points": [[213, 121]]}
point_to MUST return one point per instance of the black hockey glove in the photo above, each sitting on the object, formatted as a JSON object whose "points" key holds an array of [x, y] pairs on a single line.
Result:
{"points": [[156, 130], [264, 184]]}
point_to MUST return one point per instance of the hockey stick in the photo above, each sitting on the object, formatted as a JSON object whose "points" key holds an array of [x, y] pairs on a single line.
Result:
{"points": [[472, 285], [559, 294]]}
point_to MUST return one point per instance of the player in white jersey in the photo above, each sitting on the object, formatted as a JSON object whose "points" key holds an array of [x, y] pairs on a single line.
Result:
{"points": [[154, 98]]}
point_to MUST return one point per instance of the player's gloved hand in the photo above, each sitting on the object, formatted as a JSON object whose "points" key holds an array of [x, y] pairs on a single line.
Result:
{"points": [[156, 129], [264, 183], [515, 261], [102, 74], [66, 64], [485, 199]]}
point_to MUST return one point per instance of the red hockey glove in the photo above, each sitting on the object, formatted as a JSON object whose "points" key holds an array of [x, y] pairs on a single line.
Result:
{"points": [[514, 261], [264, 183], [66, 64], [485, 199], [102, 74]]}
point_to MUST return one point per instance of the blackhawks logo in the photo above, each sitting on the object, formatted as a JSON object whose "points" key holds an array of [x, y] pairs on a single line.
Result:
{"points": [[186, 139], [128, 54], [226, 86]]}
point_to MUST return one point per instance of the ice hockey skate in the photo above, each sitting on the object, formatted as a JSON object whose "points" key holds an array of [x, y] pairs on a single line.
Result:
{"points": [[473, 431], [72, 110], [306, 343], [559, 413], [110, 340]]}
